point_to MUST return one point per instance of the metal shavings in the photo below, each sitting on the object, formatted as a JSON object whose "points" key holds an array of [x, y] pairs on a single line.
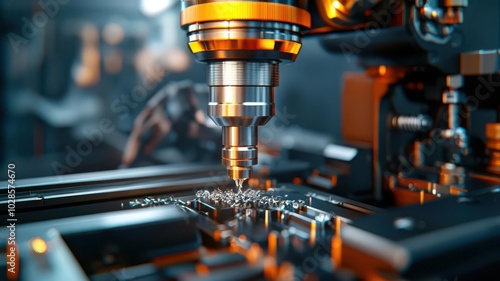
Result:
{"points": [[152, 201], [242, 201], [248, 199]]}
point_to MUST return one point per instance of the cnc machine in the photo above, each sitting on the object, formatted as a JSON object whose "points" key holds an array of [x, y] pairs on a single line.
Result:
{"points": [[410, 192]]}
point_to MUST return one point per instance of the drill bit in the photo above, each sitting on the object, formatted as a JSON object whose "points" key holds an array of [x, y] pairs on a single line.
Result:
{"points": [[239, 184]]}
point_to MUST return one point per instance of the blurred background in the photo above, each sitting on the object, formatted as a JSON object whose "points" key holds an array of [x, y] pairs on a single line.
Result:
{"points": [[83, 81]]}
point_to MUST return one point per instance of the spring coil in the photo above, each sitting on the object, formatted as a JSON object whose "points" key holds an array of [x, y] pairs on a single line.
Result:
{"points": [[409, 123]]}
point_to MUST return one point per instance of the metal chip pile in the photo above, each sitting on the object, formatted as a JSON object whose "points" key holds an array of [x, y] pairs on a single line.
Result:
{"points": [[248, 199]]}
